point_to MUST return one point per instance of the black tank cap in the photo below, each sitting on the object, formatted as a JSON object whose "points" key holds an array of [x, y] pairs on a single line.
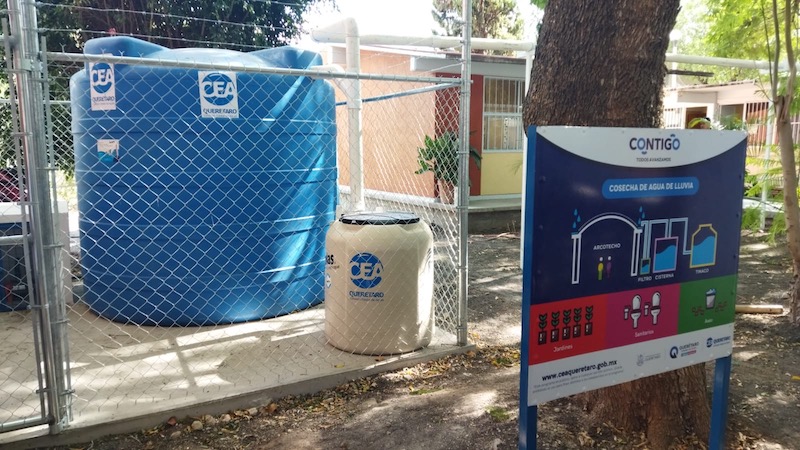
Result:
{"points": [[380, 218]]}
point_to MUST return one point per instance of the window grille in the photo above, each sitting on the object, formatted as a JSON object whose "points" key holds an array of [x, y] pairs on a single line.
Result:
{"points": [[502, 115]]}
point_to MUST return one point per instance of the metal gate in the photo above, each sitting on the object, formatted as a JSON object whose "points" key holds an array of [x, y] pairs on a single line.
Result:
{"points": [[32, 307]]}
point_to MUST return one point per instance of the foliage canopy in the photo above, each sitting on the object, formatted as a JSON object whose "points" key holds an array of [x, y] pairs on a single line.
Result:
{"points": [[497, 19], [238, 24]]}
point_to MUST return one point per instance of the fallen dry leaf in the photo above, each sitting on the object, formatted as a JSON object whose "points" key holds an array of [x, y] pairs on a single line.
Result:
{"points": [[585, 440]]}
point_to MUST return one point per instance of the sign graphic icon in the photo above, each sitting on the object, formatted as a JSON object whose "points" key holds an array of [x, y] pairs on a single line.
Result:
{"points": [[711, 298], [655, 309]]}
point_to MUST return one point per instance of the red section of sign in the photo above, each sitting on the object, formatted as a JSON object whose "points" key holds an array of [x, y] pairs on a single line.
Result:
{"points": [[567, 328], [642, 314]]}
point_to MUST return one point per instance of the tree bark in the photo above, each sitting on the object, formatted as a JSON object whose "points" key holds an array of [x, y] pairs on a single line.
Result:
{"points": [[783, 107], [790, 203], [602, 64]]}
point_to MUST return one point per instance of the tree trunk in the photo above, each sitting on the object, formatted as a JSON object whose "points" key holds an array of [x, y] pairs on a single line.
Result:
{"points": [[790, 205], [602, 64]]}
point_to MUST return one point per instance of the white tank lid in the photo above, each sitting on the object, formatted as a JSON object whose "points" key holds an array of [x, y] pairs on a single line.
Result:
{"points": [[380, 218]]}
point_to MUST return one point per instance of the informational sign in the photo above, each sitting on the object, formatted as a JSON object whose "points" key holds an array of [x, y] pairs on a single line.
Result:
{"points": [[631, 254]]}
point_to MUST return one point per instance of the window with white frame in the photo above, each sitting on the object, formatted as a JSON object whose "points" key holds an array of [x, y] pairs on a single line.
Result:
{"points": [[672, 118], [502, 115]]}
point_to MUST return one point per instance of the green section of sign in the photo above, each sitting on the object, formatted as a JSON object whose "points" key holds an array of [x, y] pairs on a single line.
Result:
{"points": [[707, 303]]}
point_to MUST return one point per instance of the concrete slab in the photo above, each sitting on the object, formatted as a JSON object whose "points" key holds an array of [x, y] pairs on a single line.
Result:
{"points": [[127, 377]]}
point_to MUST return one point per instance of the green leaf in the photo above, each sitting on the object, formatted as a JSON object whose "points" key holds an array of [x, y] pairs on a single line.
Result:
{"points": [[440, 156]]}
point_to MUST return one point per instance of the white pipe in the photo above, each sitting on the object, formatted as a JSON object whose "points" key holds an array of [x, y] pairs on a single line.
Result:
{"points": [[335, 35], [355, 131], [347, 29], [448, 42], [724, 62]]}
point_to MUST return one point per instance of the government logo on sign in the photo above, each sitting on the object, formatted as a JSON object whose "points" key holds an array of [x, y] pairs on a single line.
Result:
{"points": [[673, 352]]}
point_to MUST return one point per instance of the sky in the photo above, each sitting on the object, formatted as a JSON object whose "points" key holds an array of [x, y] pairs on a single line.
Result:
{"points": [[400, 17], [393, 17]]}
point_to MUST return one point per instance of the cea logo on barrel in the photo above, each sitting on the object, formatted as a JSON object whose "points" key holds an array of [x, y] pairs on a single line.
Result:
{"points": [[366, 270], [219, 95]]}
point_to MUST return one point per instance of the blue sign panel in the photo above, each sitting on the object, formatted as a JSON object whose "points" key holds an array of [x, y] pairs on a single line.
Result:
{"points": [[631, 254]]}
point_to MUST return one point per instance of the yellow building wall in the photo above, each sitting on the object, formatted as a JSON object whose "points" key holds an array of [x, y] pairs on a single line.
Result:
{"points": [[501, 173]]}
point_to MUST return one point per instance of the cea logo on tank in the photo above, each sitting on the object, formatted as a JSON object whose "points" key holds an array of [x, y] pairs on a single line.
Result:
{"points": [[366, 270], [219, 96], [101, 77], [103, 90]]}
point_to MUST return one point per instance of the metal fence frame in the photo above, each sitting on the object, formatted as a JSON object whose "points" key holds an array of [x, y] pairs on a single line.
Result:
{"points": [[33, 123], [43, 258]]}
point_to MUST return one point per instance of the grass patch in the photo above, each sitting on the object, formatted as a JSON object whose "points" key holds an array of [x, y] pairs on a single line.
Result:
{"points": [[497, 413]]}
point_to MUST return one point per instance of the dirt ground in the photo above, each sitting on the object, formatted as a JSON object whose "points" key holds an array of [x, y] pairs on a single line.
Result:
{"points": [[470, 401]]}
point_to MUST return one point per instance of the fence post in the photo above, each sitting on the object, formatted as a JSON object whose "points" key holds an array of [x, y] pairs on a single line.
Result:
{"points": [[44, 290], [463, 176]]}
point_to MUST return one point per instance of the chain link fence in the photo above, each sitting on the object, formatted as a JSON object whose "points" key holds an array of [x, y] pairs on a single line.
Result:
{"points": [[21, 402], [197, 190]]}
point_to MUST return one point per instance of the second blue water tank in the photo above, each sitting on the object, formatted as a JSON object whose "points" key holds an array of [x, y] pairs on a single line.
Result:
{"points": [[204, 195]]}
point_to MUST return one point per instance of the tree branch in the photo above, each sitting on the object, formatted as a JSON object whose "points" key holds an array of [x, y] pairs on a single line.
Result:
{"points": [[787, 29], [774, 72], [772, 67]]}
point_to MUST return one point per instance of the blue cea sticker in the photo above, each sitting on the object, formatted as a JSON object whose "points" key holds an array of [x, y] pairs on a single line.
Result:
{"points": [[366, 270]]}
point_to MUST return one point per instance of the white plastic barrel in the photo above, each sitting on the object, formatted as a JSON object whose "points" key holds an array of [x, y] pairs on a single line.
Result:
{"points": [[379, 283]]}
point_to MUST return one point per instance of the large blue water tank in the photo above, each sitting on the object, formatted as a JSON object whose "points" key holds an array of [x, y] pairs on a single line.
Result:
{"points": [[204, 195]]}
